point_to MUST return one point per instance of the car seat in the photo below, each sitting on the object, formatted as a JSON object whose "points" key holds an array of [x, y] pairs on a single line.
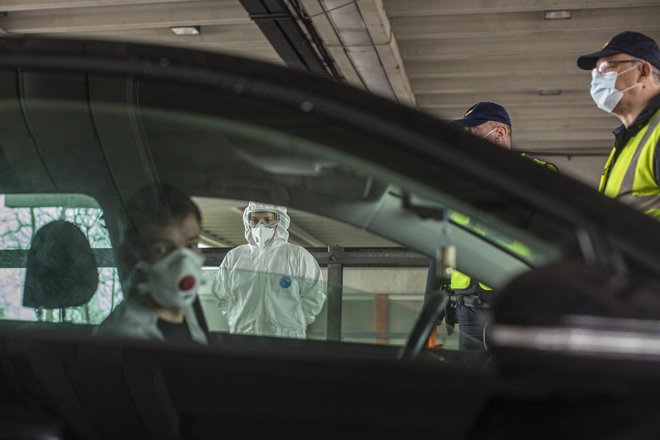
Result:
{"points": [[61, 268]]}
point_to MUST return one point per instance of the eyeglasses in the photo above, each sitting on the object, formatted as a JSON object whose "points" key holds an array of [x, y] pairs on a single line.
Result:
{"points": [[608, 66], [268, 220]]}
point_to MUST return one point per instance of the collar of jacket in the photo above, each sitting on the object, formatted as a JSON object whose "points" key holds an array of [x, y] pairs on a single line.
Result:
{"points": [[623, 134]]}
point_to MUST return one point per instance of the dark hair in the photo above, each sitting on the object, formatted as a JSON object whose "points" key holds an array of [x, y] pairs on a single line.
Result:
{"points": [[154, 205]]}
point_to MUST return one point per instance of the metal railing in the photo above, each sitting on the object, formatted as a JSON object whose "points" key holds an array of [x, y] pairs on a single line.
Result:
{"points": [[334, 258]]}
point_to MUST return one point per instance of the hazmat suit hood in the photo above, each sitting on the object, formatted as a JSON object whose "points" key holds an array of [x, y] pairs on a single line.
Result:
{"points": [[283, 221]]}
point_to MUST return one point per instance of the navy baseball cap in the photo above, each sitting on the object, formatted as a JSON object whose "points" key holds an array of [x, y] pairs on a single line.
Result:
{"points": [[632, 43], [483, 112]]}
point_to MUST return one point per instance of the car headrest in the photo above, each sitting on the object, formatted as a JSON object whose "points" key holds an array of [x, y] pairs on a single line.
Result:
{"points": [[61, 268]]}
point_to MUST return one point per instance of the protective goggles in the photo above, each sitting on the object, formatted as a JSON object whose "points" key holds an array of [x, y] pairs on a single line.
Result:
{"points": [[607, 66], [268, 219]]}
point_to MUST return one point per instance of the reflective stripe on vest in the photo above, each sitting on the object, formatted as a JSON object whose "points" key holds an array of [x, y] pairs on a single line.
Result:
{"points": [[631, 179], [548, 165], [463, 284]]}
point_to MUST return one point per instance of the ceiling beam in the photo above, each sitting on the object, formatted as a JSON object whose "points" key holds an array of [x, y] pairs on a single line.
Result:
{"points": [[594, 147], [285, 34], [128, 17], [359, 36], [387, 47], [603, 124], [246, 36], [569, 44], [423, 8], [519, 65], [303, 237], [48, 5], [554, 134], [229, 39], [502, 83], [263, 53], [522, 24], [211, 239], [579, 101], [326, 30]]}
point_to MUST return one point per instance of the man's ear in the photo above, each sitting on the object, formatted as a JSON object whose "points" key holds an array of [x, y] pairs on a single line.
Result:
{"points": [[647, 70], [502, 131]]}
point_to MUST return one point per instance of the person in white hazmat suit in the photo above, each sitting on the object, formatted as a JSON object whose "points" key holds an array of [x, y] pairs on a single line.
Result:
{"points": [[269, 286]]}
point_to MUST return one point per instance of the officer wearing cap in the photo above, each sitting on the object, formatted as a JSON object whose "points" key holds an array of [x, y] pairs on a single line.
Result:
{"points": [[490, 121], [626, 82]]}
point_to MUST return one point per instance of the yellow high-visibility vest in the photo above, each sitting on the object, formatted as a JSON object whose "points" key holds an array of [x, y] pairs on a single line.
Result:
{"points": [[631, 178], [460, 281]]}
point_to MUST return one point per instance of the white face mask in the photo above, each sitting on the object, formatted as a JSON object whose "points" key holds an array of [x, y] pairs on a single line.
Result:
{"points": [[262, 234], [173, 281], [603, 90]]}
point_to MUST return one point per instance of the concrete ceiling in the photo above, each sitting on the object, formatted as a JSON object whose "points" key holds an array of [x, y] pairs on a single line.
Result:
{"points": [[437, 55], [440, 56]]}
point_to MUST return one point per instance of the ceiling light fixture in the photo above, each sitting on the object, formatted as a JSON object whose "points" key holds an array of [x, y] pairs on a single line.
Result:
{"points": [[186, 30], [558, 15]]}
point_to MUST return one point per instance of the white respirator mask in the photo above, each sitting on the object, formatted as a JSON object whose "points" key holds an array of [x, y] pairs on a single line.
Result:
{"points": [[173, 281], [262, 234]]}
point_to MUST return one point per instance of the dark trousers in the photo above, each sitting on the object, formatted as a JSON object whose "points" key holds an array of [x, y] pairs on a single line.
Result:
{"points": [[471, 328]]}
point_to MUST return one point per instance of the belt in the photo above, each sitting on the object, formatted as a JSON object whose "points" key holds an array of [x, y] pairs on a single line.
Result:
{"points": [[471, 300]]}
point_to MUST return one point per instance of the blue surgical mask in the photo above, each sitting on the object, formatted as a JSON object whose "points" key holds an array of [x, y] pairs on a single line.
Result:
{"points": [[603, 89]]}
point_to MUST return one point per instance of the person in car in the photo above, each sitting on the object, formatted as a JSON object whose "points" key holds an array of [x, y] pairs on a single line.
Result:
{"points": [[269, 286], [158, 250], [490, 121], [626, 82]]}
